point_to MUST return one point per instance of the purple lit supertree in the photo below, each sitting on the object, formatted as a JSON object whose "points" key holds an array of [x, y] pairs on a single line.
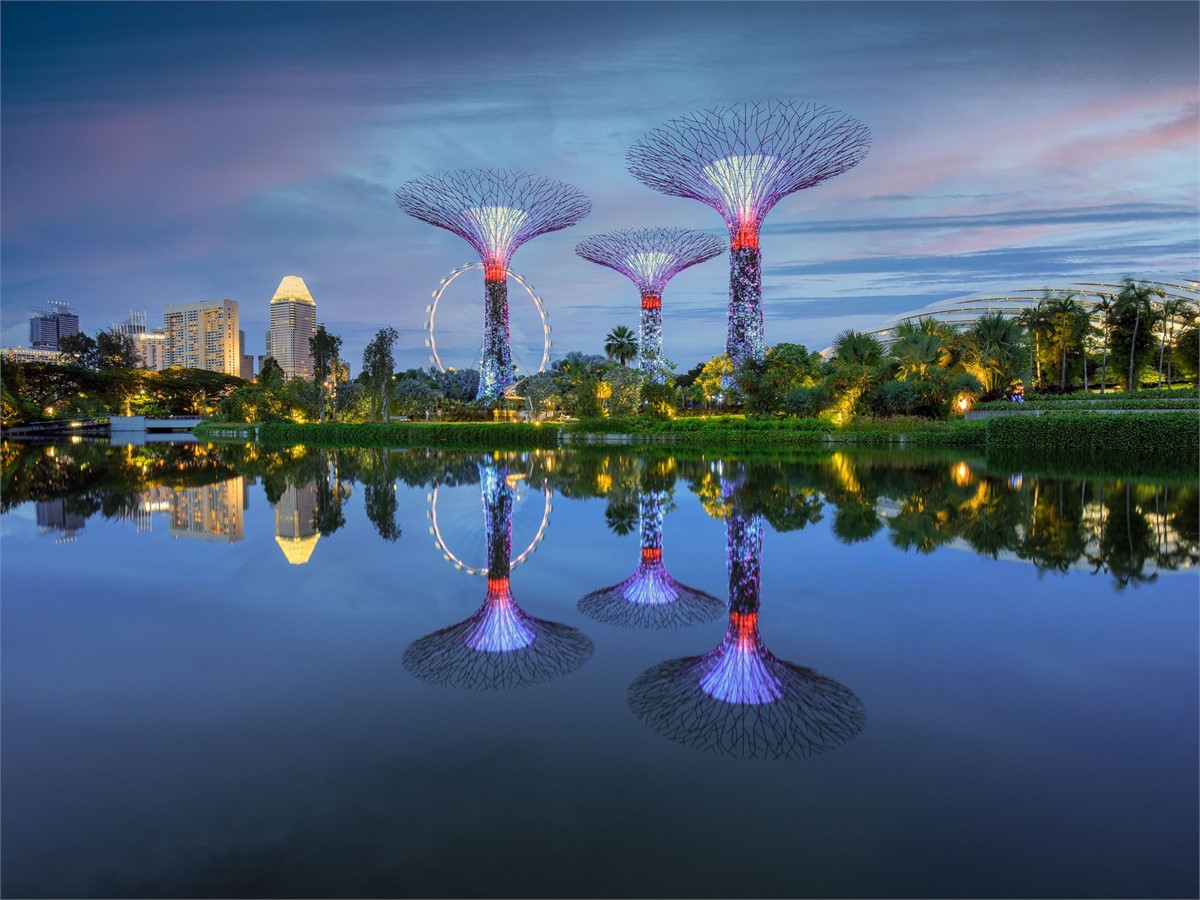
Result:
{"points": [[495, 211], [650, 597], [739, 699], [650, 257], [500, 646], [741, 160]]}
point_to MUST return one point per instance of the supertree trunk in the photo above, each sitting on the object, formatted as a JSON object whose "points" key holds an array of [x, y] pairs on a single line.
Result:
{"points": [[497, 518], [495, 369], [744, 341], [650, 339]]}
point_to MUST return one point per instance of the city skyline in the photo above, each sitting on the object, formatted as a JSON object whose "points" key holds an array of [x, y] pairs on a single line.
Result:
{"points": [[192, 156]]}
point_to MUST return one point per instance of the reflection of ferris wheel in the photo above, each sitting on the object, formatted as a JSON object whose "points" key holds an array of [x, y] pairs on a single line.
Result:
{"points": [[439, 537], [431, 309]]}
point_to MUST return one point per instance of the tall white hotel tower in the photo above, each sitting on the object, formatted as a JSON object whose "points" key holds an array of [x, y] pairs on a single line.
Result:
{"points": [[293, 322]]}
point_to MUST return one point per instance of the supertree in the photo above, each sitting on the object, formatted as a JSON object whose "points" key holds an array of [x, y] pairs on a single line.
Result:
{"points": [[495, 211], [739, 699], [650, 257], [741, 160], [501, 645], [650, 597]]}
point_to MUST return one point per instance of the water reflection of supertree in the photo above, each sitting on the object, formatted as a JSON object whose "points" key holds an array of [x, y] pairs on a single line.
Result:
{"points": [[650, 597], [650, 257], [741, 160], [500, 646], [495, 211], [740, 699]]}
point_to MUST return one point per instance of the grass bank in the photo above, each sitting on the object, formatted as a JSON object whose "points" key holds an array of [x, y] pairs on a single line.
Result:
{"points": [[1167, 441]]}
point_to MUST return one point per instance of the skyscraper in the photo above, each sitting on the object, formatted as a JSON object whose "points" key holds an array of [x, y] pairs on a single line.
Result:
{"points": [[293, 322], [151, 345], [48, 326], [203, 335]]}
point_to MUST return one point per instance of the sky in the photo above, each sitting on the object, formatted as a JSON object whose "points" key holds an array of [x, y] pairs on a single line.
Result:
{"points": [[155, 153]]}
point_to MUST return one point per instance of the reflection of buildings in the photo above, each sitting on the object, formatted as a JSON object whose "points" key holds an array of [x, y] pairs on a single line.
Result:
{"points": [[739, 699], [210, 513], [155, 500], [295, 528], [500, 646], [650, 597], [52, 516]]}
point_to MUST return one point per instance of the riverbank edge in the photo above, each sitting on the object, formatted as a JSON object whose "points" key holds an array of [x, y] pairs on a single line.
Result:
{"points": [[1149, 435]]}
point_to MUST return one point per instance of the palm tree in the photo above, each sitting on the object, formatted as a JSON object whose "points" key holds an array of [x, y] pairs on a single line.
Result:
{"points": [[858, 349], [1036, 320], [916, 352], [1138, 299], [1105, 306], [1173, 310], [1064, 315], [992, 351], [621, 344]]}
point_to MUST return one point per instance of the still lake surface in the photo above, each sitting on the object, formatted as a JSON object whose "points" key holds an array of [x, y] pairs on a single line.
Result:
{"points": [[230, 671]]}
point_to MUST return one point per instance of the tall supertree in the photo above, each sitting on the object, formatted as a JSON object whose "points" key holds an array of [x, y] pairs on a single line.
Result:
{"points": [[650, 597], [741, 160], [650, 257], [501, 645], [739, 699], [495, 211]]}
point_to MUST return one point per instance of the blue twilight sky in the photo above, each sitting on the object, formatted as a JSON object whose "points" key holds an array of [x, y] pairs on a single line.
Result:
{"points": [[156, 153]]}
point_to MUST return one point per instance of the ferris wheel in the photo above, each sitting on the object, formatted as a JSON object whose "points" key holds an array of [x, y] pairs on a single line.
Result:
{"points": [[464, 526], [432, 310]]}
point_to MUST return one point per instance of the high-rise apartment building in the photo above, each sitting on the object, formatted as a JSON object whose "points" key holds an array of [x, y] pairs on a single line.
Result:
{"points": [[48, 326], [203, 335], [293, 323]]}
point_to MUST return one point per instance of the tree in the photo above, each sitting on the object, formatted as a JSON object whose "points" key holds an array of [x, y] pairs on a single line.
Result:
{"points": [[714, 380], [621, 344], [1136, 301], [271, 373], [1036, 321], [1066, 329], [1105, 306], [1174, 311], [116, 350], [325, 349], [858, 364], [378, 363], [993, 351], [79, 350]]}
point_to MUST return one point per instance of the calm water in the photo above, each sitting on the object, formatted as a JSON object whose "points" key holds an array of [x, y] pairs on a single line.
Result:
{"points": [[229, 672]]}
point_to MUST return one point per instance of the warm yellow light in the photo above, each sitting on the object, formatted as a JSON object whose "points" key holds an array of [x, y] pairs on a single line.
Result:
{"points": [[962, 474]]}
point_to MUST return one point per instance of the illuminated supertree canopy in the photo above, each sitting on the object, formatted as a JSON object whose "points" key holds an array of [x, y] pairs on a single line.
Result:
{"points": [[741, 160], [500, 646], [739, 699], [650, 257], [495, 211], [650, 597]]}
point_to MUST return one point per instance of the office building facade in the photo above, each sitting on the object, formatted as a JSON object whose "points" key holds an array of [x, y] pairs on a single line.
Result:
{"points": [[293, 324], [48, 326]]}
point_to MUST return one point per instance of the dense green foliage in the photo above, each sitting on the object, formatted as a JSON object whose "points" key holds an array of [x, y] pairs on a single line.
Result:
{"points": [[41, 391], [1147, 438]]}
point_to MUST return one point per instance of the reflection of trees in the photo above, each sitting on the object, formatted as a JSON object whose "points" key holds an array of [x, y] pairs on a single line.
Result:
{"points": [[650, 597], [739, 699], [500, 646]]}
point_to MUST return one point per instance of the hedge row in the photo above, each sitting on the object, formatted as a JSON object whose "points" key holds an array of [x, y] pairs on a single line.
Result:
{"points": [[1119, 402], [1134, 438]]}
